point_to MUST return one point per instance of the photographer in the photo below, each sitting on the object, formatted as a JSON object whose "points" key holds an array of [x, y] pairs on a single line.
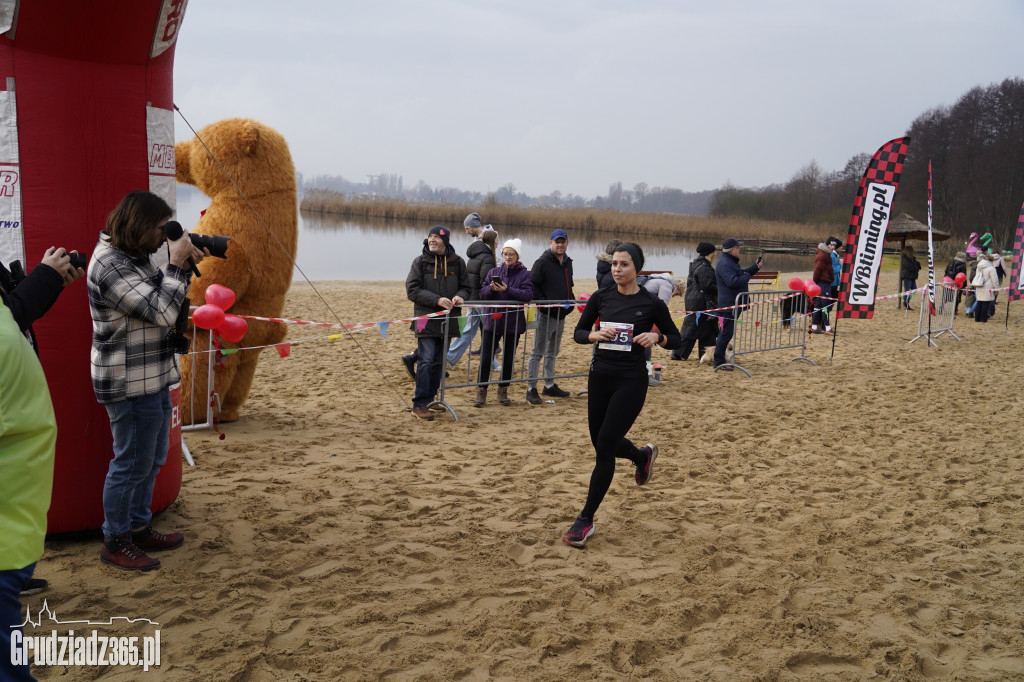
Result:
{"points": [[29, 297], [134, 304], [28, 433]]}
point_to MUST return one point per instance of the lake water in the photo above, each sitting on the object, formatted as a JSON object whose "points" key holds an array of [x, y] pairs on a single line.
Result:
{"points": [[346, 249]]}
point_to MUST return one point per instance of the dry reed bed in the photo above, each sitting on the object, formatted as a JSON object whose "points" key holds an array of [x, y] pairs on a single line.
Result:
{"points": [[586, 220]]}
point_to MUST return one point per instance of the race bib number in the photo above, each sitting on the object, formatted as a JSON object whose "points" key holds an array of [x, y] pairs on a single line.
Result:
{"points": [[623, 336]]}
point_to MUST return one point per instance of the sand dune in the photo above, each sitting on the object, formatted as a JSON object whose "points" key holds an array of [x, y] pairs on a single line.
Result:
{"points": [[859, 519]]}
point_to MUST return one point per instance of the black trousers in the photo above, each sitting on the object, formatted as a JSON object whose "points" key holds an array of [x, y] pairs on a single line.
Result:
{"points": [[613, 404], [491, 339], [702, 342]]}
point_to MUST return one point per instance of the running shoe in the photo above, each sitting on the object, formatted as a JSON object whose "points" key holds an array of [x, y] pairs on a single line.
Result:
{"points": [[581, 531], [643, 471], [555, 392]]}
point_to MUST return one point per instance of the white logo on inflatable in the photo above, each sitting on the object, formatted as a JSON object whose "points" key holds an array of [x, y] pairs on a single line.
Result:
{"points": [[171, 15]]}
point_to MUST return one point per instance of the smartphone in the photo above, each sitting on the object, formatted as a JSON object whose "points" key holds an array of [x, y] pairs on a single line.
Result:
{"points": [[496, 279]]}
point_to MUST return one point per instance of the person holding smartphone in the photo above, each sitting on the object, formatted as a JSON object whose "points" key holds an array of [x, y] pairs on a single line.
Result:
{"points": [[617, 384], [732, 281], [510, 281]]}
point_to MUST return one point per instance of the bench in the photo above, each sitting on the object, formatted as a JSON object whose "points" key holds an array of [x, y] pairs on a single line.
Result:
{"points": [[767, 278]]}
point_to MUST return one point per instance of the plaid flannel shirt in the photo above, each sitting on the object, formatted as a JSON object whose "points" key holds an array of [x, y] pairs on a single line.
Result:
{"points": [[133, 304]]}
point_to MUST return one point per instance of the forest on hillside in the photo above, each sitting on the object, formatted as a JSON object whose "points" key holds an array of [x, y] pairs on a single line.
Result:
{"points": [[976, 147]]}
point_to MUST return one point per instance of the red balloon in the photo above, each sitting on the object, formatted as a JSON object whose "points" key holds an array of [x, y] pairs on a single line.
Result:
{"points": [[207, 316], [947, 280], [808, 283], [233, 328], [582, 297], [796, 284], [960, 279], [220, 296], [812, 289]]}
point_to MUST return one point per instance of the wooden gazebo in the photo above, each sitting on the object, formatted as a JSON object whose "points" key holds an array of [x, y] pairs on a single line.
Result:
{"points": [[905, 227]]}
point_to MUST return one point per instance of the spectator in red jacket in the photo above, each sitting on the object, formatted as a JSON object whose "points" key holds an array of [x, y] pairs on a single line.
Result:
{"points": [[822, 276]]}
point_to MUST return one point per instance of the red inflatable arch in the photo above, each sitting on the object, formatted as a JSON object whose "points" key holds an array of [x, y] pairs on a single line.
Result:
{"points": [[86, 116]]}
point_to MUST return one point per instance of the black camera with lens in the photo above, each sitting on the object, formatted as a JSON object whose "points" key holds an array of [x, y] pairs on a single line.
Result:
{"points": [[79, 260], [176, 338], [216, 243]]}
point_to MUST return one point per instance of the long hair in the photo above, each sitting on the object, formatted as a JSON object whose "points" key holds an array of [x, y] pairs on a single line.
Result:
{"points": [[133, 217], [490, 240]]}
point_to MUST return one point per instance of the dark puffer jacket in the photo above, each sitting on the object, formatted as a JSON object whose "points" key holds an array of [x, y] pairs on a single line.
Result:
{"points": [[701, 294], [431, 278], [552, 281], [604, 271], [732, 279], [481, 260]]}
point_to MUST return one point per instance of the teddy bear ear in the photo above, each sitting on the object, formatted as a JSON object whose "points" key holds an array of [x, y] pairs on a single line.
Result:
{"points": [[249, 138]]}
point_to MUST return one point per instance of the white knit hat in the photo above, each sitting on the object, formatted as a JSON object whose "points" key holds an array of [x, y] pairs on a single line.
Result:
{"points": [[514, 244]]}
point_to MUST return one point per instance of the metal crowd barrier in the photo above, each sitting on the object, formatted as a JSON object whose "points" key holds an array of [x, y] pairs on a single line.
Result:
{"points": [[769, 320], [200, 360], [945, 314], [519, 368]]}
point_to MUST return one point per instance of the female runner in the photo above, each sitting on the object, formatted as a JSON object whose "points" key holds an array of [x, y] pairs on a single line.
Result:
{"points": [[617, 385]]}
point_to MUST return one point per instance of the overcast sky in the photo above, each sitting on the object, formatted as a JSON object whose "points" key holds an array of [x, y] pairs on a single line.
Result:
{"points": [[574, 95]]}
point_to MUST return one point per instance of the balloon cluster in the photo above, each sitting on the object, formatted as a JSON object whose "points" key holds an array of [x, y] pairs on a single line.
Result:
{"points": [[805, 285], [211, 316], [959, 280]]}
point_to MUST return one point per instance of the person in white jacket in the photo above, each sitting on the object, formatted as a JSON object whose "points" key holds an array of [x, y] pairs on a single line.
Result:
{"points": [[664, 286], [985, 282]]}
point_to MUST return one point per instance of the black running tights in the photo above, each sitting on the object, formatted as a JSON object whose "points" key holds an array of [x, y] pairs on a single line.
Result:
{"points": [[613, 404]]}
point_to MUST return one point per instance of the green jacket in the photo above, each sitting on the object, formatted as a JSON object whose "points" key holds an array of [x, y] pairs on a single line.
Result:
{"points": [[28, 435]]}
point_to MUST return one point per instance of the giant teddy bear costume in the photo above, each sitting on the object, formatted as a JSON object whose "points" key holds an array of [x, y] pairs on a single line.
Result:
{"points": [[259, 266]]}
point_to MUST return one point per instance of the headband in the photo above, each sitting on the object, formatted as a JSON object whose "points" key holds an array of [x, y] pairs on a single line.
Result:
{"points": [[634, 252]]}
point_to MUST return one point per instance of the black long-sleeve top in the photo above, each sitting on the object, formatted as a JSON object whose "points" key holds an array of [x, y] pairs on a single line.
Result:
{"points": [[33, 296], [637, 313]]}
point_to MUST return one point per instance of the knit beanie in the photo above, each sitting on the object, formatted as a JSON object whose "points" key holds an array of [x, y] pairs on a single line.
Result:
{"points": [[472, 220], [442, 232], [514, 244]]}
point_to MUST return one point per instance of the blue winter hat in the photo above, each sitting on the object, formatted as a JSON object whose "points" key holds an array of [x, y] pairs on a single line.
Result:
{"points": [[472, 220], [443, 232]]}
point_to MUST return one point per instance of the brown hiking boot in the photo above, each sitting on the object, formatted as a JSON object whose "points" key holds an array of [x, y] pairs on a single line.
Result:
{"points": [[481, 396], [503, 395], [126, 556], [421, 412], [149, 540]]}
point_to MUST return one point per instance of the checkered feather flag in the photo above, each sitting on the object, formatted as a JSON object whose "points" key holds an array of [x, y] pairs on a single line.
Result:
{"points": [[1016, 290], [865, 238]]}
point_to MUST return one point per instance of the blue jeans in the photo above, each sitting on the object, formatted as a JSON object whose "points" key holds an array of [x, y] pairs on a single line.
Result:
{"points": [[462, 343], [141, 429], [546, 342], [820, 312], [429, 367], [908, 285], [12, 582]]}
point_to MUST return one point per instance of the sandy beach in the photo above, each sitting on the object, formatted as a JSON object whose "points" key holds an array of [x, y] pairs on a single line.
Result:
{"points": [[858, 519]]}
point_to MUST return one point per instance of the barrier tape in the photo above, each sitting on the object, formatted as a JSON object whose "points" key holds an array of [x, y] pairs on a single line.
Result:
{"points": [[284, 346]]}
